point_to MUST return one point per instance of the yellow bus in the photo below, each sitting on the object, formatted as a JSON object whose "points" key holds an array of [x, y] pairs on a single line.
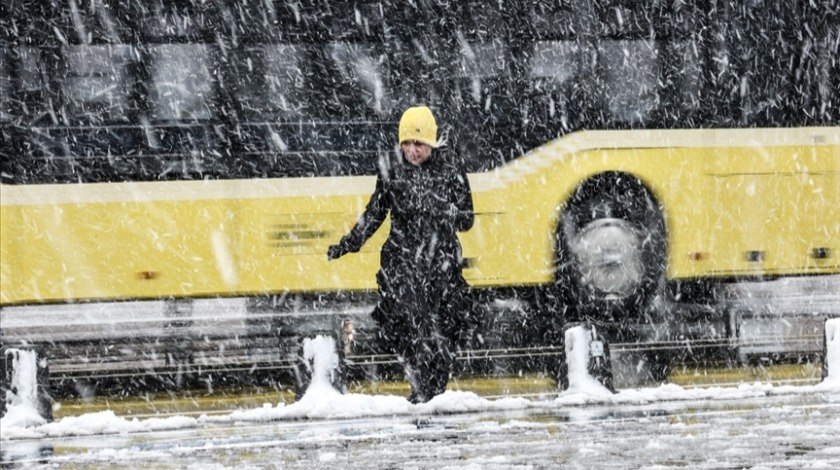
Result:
{"points": [[177, 170]]}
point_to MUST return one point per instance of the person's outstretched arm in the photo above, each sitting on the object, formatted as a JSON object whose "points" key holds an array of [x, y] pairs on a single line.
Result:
{"points": [[368, 223]]}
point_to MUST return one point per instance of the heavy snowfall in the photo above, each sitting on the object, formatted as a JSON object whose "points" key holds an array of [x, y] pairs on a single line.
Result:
{"points": [[208, 121]]}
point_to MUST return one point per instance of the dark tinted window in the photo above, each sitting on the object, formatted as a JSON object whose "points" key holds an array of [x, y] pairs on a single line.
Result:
{"points": [[104, 90], [554, 63], [364, 77], [484, 100], [182, 84], [96, 84], [553, 19], [173, 20], [552, 74], [270, 82], [630, 79]]}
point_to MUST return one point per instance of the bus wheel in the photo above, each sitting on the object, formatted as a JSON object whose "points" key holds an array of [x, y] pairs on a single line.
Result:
{"points": [[610, 251]]}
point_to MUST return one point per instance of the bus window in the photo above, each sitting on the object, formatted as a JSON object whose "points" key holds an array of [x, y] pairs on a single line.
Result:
{"points": [[551, 18], [184, 137], [365, 76], [95, 84], [483, 103], [269, 82], [683, 67], [758, 69], [269, 86], [173, 19], [480, 61], [551, 71], [95, 96], [39, 105], [631, 72], [33, 82], [553, 63], [285, 129], [181, 82]]}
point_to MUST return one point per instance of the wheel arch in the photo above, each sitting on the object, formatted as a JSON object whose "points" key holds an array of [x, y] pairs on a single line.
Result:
{"points": [[590, 185], [650, 215]]}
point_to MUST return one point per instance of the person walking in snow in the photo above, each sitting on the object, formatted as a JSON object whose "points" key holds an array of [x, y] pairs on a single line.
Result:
{"points": [[423, 309]]}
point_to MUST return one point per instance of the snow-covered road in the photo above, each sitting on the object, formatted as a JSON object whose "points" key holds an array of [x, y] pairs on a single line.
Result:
{"points": [[753, 426]]}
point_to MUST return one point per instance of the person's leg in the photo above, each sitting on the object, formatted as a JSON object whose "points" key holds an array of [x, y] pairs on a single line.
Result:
{"points": [[450, 324], [402, 330], [439, 367]]}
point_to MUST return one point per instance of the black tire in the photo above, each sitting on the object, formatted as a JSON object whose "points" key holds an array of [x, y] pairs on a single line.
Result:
{"points": [[610, 252]]}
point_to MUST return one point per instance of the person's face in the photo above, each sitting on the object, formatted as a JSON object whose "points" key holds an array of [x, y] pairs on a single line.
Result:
{"points": [[416, 152]]}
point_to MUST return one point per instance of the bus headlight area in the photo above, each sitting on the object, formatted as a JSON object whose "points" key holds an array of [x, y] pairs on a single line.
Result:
{"points": [[128, 348]]}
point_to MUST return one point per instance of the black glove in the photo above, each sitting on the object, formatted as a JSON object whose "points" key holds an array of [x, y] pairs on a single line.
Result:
{"points": [[336, 251]]}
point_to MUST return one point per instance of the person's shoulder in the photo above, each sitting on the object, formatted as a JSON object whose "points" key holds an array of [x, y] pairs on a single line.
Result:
{"points": [[446, 159]]}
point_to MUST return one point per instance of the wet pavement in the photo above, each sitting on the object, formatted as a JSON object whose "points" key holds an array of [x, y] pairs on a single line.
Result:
{"points": [[785, 431]]}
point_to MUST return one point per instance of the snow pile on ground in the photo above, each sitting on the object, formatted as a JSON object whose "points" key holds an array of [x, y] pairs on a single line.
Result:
{"points": [[319, 405], [320, 353], [321, 401], [578, 344], [22, 406]]}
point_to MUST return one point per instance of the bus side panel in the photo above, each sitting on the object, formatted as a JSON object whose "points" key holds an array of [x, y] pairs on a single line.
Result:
{"points": [[786, 214], [528, 199], [125, 250], [772, 211], [285, 242], [11, 275], [486, 247], [209, 239]]}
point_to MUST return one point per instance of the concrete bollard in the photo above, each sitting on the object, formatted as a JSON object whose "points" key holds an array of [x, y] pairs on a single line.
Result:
{"points": [[26, 381], [587, 358], [831, 352]]}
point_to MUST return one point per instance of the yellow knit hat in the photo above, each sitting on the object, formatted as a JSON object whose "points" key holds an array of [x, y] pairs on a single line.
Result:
{"points": [[418, 123]]}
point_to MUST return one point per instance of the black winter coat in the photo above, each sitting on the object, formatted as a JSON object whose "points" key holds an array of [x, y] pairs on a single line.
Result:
{"points": [[420, 266]]}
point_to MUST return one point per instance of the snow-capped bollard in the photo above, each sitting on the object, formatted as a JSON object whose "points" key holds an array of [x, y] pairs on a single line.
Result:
{"points": [[588, 359], [321, 367], [26, 382], [831, 356]]}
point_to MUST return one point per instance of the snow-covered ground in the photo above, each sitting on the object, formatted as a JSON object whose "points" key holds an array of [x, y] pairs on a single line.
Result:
{"points": [[756, 425], [327, 404]]}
